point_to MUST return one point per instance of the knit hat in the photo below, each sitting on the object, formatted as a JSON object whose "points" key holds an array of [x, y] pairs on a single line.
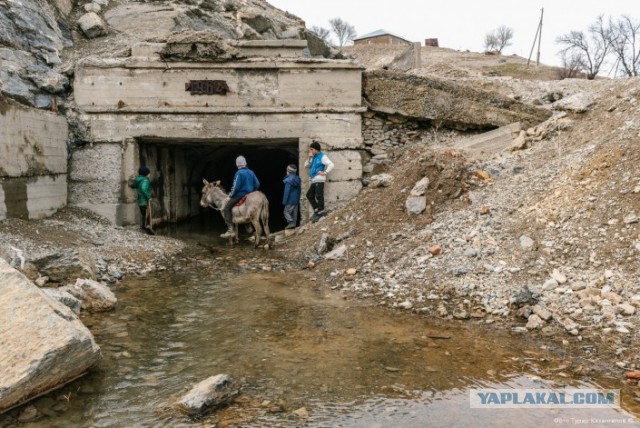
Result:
{"points": [[144, 171], [315, 145], [292, 168], [241, 161]]}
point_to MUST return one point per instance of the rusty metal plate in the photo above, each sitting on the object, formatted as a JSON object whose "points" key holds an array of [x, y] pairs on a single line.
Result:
{"points": [[207, 87]]}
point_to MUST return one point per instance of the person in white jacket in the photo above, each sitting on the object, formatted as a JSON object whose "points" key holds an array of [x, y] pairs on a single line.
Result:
{"points": [[319, 166]]}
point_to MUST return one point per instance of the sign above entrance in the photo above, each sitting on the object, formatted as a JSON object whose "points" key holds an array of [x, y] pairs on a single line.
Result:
{"points": [[207, 87]]}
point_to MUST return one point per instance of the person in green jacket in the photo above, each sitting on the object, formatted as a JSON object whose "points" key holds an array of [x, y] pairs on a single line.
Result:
{"points": [[143, 189]]}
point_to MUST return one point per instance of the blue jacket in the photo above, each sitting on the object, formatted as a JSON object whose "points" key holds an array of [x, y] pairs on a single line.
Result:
{"points": [[316, 165], [292, 189], [245, 181]]}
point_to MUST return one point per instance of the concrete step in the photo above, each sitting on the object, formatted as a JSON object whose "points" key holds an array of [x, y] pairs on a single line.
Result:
{"points": [[492, 141]]}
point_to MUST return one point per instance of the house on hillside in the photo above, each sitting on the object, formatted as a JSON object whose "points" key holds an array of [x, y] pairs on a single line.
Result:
{"points": [[381, 37]]}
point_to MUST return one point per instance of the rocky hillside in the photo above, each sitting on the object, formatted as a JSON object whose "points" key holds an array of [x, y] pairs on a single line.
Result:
{"points": [[542, 239]]}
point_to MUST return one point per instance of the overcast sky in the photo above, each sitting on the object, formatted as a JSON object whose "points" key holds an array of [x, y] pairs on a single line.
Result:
{"points": [[461, 24]]}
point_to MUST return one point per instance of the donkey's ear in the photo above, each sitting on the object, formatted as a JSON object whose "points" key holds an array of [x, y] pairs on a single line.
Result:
{"points": [[205, 182], [217, 183]]}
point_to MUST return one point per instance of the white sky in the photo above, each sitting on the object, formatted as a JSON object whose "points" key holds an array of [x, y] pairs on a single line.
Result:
{"points": [[462, 24]]}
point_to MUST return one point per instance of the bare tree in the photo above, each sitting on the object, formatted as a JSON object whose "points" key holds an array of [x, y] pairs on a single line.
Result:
{"points": [[490, 42], [592, 47], [322, 33], [571, 65], [504, 35], [498, 39], [343, 31], [625, 44]]}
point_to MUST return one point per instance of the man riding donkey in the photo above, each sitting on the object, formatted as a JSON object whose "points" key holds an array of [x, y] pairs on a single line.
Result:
{"points": [[244, 182]]}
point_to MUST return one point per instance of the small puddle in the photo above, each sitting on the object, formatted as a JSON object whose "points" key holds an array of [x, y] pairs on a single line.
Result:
{"points": [[293, 345]]}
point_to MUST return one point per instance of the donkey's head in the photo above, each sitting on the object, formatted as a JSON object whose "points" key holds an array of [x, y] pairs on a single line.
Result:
{"points": [[213, 195]]}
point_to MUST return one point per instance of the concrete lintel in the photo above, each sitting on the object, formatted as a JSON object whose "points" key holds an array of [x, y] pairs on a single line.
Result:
{"points": [[250, 63], [224, 110], [272, 43]]}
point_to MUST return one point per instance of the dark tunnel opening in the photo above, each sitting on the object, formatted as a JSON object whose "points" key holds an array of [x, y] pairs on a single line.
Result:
{"points": [[178, 170]]}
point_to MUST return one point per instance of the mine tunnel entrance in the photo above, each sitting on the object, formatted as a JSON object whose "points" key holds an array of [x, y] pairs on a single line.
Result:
{"points": [[178, 168]]}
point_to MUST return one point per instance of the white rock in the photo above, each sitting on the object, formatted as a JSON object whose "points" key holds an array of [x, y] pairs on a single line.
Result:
{"points": [[208, 395], [626, 309], [577, 103], [92, 25], [405, 305], [526, 242], [550, 284], [542, 312], [336, 253], [95, 296], [558, 276], [534, 322], [420, 187], [380, 180]]}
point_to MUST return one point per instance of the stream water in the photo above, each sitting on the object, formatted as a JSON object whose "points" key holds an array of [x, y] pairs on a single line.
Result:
{"points": [[305, 357]]}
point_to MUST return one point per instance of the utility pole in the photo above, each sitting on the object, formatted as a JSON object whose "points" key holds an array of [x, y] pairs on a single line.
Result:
{"points": [[537, 39], [539, 36]]}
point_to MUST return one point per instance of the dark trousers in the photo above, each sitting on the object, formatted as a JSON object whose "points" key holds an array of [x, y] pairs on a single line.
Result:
{"points": [[315, 195], [226, 211], [143, 216]]}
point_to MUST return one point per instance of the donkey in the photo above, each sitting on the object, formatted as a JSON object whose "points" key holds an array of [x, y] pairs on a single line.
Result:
{"points": [[254, 209]]}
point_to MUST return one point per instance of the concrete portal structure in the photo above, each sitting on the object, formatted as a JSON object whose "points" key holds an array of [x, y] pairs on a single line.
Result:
{"points": [[33, 161], [189, 120]]}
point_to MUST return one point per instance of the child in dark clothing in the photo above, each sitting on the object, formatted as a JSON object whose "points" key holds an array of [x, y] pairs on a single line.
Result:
{"points": [[291, 198]]}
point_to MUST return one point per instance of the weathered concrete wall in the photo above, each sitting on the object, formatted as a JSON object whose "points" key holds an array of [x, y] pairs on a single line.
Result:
{"points": [[33, 161], [96, 177], [251, 85]]}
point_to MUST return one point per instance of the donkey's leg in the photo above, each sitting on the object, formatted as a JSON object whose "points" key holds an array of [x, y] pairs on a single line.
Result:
{"points": [[256, 226], [264, 216], [237, 237]]}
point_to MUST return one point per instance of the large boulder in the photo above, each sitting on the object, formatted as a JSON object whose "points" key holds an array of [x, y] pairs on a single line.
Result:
{"points": [[43, 345]]}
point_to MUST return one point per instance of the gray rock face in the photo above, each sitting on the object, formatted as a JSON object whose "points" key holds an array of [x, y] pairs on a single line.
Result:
{"points": [[43, 344], [208, 395], [32, 40]]}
